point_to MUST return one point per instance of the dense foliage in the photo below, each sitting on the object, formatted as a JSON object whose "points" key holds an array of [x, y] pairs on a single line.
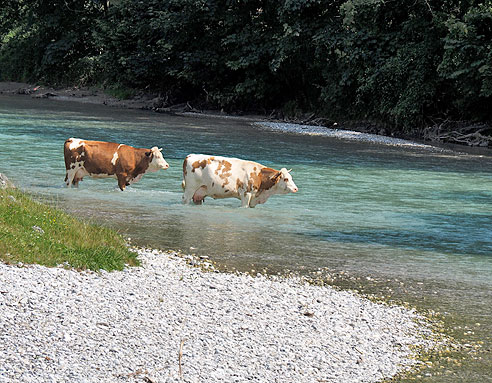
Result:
{"points": [[404, 62]]}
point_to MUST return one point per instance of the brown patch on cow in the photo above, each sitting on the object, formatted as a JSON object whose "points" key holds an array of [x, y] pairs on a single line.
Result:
{"points": [[224, 170], [268, 178], [239, 184], [143, 159], [260, 180], [253, 182], [198, 164]]}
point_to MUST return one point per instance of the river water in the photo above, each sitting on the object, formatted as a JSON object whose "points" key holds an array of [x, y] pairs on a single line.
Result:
{"points": [[410, 224]]}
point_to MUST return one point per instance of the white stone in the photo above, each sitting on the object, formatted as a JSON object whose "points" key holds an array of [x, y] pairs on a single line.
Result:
{"points": [[126, 326]]}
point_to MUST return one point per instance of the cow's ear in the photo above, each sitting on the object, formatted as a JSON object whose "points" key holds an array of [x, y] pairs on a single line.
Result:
{"points": [[148, 154], [276, 176]]}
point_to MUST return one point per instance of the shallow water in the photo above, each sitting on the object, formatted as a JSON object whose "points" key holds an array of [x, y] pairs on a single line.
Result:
{"points": [[412, 223]]}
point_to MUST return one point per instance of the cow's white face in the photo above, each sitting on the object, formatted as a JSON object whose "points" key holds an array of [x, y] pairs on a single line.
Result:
{"points": [[158, 161], [285, 183]]}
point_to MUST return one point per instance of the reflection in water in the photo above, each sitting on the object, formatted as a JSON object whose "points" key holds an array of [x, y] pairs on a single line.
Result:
{"points": [[419, 217]]}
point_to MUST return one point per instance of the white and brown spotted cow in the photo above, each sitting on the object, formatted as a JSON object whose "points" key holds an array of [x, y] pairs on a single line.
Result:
{"points": [[107, 159], [222, 177]]}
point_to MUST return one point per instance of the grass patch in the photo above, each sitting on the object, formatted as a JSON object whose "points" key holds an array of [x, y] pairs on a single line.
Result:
{"points": [[33, 232]]}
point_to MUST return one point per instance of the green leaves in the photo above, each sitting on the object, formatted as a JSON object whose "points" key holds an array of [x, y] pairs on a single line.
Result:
{"points": [[48, 41], [401, 62], [467, 58]]}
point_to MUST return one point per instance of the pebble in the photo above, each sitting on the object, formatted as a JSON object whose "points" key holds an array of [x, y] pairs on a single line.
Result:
{"points": [[61, 325], [38, 229]]}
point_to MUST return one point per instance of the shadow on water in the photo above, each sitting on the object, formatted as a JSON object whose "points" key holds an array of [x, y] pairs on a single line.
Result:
{"points": [[408, 223]]}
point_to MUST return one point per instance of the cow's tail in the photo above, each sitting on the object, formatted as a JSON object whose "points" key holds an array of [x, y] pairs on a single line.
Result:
{"points": [[185, 172]]}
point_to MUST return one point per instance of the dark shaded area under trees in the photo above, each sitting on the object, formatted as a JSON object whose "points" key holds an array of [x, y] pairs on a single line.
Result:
{"points": [[410, 67]]}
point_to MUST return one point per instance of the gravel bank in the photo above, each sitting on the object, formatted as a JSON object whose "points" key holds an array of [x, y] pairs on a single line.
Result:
{"points": [[340, 133], [60, 325]]}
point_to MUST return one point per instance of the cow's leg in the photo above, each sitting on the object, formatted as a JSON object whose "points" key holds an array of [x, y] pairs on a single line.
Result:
{"points": [[246, 199], [199, 195], [187, 196], [189, 191], [122, 181], [69, 176], [74, 175], [67, 183]]}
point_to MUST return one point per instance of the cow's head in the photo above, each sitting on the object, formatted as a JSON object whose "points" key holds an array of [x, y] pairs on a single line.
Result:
{"points": [[157, 161], [284, 181]]}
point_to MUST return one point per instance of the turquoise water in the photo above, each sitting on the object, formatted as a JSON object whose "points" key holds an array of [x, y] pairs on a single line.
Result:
{"points": [[416, 220]]}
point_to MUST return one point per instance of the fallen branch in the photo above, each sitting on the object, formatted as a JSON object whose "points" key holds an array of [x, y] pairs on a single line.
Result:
{"points": [[460, 133]]}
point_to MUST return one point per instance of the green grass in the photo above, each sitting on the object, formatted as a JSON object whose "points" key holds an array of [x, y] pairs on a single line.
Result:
{"points": [[64, 240]]}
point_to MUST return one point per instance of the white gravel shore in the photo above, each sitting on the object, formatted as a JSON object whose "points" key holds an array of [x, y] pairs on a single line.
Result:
{"points": [[59, 325], [340, 133]]}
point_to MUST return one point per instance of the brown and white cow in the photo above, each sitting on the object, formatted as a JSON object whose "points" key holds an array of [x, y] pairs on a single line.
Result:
{"points": [[108, 159], [223, 177]]}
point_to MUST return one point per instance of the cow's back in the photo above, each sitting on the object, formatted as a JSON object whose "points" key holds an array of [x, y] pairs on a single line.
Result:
{"points": [[217, 168]]}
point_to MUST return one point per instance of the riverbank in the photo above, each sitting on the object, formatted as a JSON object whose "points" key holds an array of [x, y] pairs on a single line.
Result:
{"points": [[167, 320], [362, 131], [341, 133]]}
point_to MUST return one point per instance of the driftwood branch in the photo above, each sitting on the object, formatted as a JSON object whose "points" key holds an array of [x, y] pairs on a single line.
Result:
{"points": [[460, 133]]}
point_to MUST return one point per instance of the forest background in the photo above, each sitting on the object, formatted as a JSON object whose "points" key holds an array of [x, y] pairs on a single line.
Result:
{"points": [[404, 65]]}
